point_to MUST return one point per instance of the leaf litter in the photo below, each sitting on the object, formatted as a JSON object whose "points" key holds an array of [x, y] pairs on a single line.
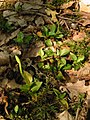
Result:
{"points": [[52, 42]]}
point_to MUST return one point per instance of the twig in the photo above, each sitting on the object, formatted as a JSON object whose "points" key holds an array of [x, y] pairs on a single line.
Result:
{"points": [[73, 20], [77, 113]]}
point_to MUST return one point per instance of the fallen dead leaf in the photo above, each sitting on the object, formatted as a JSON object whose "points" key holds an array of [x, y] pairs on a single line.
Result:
{"points": [[4, 58], [86, 22], [79, 36], [13, 35], [67, 5], [65, 116], [34, 49], [84, 72], [77, 88], [3, 36], [32, 4], [8, 13], [39, 21], [85, 6], [52, 13], [3, 99]]}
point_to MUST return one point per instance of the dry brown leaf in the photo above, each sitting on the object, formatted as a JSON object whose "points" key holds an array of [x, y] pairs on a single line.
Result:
{"points": [[52, 13], [13, 35], [39, 21], [68, 11], [7, 13], [3, 99], [79, 36], [86, 22], [67, 5], [77, 88], [3, 36], [4, 58], [85, 15], [34, 49], [85, 6], [65, 116], [84, 72]]}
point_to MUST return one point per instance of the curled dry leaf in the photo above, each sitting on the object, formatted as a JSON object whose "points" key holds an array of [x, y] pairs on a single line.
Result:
{"points": [[2, 118], [3, 99], [52, 13]]}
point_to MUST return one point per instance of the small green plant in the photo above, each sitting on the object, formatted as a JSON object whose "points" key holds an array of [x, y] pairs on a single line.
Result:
{"points": [[30, 86], [5, 26], [21, 38], [65, 57], [61, 97], [52, 31]]}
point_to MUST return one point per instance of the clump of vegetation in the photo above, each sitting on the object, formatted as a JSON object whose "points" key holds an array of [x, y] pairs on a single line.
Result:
{"points": [[22, 39], [39, 96], [43, 97], [5, 26]]}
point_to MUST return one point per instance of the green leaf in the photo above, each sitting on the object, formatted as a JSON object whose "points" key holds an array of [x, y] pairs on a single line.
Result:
{"points": [[64, 102], [64, 52], [45, 30], [52, 34], [60, 76], [40, 65], [53, 28], [47, 66], [62, 63], [25, 88], [36, 87], [27, 39], [80, 58], [62, 95], [48, 42], [59, 36], [73, 56], [77, 66], [27, 77], [67, 67], [49, 52], [16, 108], [57, 52], [57, 92], [20, 37], [19, 63], [41, 53]]}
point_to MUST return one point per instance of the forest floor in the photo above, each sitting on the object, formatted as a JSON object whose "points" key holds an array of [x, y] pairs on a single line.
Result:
{"points": [[44, 60]]}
